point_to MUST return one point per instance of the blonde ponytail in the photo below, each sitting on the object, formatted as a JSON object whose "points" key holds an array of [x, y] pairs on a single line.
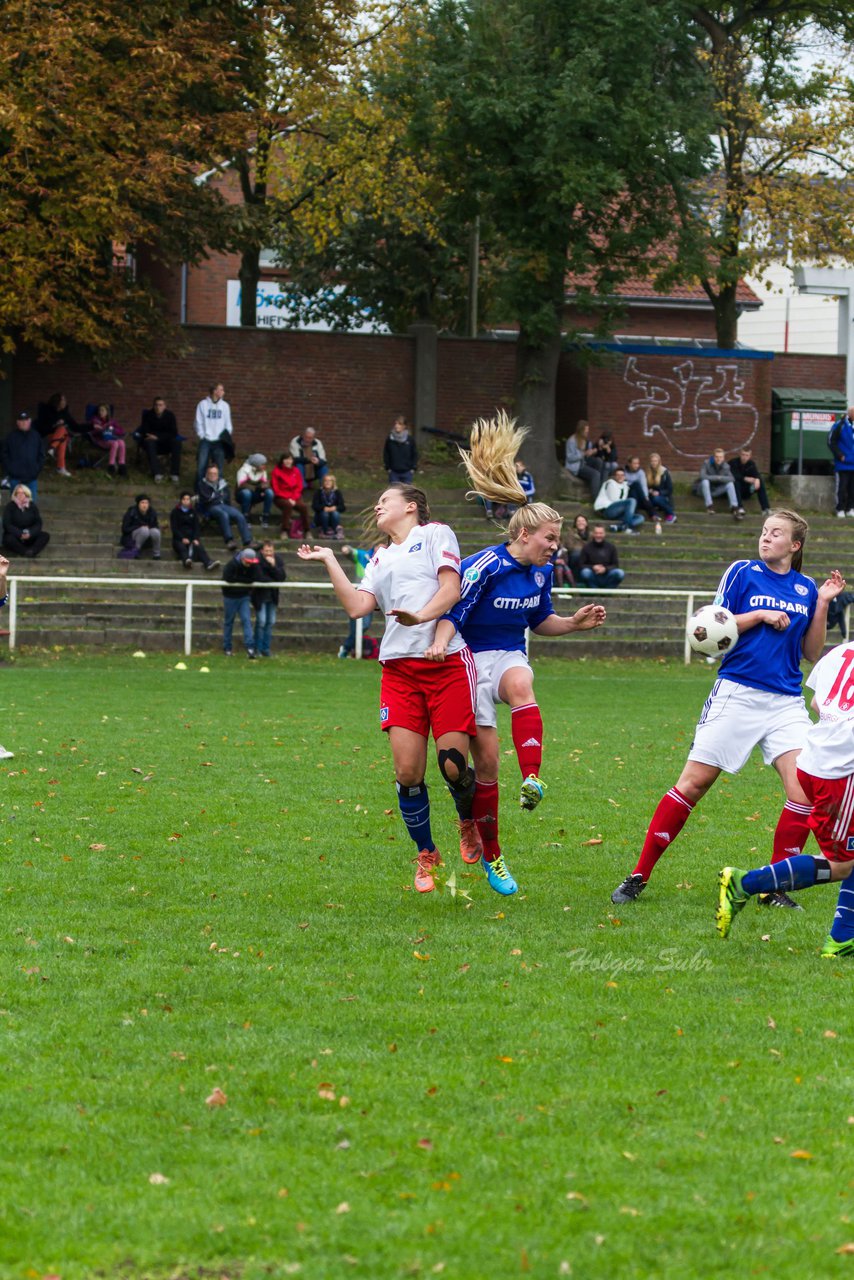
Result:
{"points": [[494, 443]]}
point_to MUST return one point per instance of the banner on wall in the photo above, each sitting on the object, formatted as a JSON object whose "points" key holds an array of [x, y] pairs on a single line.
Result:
{"points": [[273, 311]]}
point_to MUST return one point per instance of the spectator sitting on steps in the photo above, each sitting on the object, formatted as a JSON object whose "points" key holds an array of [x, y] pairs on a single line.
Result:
{"points": [[157, 433], [186, 533], [139, 526], [253, 487], [22, 525], [600, 566], [288, 488], [613, 503], [55, 426], [747, 479], [328, 505], [105, 433], [215, 504], [714, 481], [660, 485], [310, 456], [582, 461]]}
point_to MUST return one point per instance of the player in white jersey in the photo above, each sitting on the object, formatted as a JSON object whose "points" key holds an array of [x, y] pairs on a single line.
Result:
{"points": [[415, 579], [506, 590], [756, 701], [826, 773]]}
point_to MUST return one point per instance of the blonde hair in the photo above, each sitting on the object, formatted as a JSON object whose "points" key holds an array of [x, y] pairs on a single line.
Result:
{"points": [[654, 474], [800, 529], [489, 461], [25, 490], [531, 517], [329, 476]]}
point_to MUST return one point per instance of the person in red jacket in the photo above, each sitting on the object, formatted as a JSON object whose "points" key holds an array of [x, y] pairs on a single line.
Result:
{"points": [[288, 485]]}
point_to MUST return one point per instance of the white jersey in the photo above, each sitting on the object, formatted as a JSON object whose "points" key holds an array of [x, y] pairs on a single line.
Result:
{"points": [[405, 575], [829, 750]]}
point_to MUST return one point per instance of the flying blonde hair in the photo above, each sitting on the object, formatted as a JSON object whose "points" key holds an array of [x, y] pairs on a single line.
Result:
{"points": [[489, 461]]}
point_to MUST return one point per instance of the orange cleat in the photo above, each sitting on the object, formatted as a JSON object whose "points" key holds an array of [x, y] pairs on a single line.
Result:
{"points": [[426, 860], [471, 847]]}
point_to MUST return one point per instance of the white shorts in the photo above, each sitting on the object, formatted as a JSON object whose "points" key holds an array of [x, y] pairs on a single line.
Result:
{"points": [[491, 665], [736, 718]]}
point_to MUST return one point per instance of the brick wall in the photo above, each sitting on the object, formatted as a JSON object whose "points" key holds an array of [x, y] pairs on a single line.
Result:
{"points": [[821, 373], [474, 378], [682, 406]]}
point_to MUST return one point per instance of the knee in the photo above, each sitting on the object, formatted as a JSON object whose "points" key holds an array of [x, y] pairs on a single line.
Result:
{"points": [[409, 775]]}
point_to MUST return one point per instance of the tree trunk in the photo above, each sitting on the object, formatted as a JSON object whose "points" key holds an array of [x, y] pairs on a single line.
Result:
{"points": [[249, 275], [535, 391], [726, 316]]}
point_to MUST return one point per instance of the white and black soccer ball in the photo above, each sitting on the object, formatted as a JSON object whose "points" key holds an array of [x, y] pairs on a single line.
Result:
{"points": [[712, 631]]}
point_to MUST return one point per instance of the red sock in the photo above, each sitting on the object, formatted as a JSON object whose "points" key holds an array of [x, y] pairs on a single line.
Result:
{"points": [[792, 830], [485, 813], [668, 820], [526, 724]]}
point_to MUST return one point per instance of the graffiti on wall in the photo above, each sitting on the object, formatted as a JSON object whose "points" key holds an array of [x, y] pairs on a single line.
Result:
{"points": [[679, 405]]}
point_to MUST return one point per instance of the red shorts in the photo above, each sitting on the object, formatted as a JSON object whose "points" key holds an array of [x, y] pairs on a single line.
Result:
{"points": [[832, 817], [422, 696]]}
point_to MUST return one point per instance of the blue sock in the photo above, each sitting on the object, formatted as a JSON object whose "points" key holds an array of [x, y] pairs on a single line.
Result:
{"points": [[800, 872], [415, 810], [842, 929]]}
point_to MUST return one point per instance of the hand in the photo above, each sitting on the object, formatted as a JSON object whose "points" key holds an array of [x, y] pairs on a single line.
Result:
{"points": [[598, 568], [25, 533], [779, 621], [405, 618], [305, 552], [589, 616], [436, 652], [831, 589], [4, 565], [186, 541]]}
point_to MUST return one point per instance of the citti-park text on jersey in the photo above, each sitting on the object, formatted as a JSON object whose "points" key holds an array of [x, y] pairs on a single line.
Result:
{"points": [[512, 602], [785, 606]]}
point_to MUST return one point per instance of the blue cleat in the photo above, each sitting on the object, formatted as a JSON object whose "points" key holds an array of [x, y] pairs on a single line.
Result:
{"points": [[498, 877], [533, 789]]}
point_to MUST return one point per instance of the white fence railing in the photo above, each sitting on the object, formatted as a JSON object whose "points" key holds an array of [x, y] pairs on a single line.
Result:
{"points": [[215, 584]]}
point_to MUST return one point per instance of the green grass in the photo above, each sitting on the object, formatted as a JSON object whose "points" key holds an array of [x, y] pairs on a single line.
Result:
{"points": [[204, 886]]}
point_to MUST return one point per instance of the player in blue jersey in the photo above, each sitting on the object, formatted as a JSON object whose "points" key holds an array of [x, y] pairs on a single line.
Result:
{"points": [[504, 590], [756, 701]]}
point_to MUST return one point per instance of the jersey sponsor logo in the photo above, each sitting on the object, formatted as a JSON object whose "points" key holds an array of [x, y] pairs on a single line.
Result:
{"points": [[383, 714], [416, 546], [513, 602], [801, 589], [449, 555], [540, 579], [785, 606], [471, 575]]}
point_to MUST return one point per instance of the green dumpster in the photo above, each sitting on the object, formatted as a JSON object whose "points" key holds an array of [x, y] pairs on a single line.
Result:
{"points": [[800, 420]]}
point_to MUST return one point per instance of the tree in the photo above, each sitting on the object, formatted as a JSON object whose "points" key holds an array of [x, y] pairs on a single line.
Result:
{"points": [[104, 119], [783, 122]]}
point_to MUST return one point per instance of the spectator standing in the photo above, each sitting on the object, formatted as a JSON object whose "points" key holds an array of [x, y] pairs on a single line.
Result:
{"points": [[22, 524], [328, 505], [600, 564], [158, 435], [714, 481], [186, 533], [748, 480], [254, 486], [840, 441], [400, 453], [23, 454], [140, 526], [55, 424], [215, 504], [288, 486], [613, 502], [239, 577], [265, 596], [105, 433], [660, 484], [581, 459], [211, 423], [310, 456]]}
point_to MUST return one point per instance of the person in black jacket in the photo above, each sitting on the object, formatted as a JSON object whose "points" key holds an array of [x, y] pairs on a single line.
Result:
{"points": [[139, 526], [23, 454], [265, 597], [158, 435], [599, 563], [328, 507], [747, 479], [22, 525], [400, 454], [186, 528], [239, 577]]}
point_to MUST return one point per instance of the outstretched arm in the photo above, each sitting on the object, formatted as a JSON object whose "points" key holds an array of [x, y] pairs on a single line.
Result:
{"points": [[586, 618], [813, 645], [358, 604]]}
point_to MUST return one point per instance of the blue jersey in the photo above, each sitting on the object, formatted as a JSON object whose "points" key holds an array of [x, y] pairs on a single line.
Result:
{"points": [[765, 658], [499, 598]]}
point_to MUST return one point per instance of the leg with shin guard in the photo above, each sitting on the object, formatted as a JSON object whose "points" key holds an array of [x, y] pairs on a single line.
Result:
{"points": [[459, 780]]}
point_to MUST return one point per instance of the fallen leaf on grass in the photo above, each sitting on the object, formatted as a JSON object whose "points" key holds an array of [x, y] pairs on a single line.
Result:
{"points": [[801, 1155], [343, 1207], [216, 1099], [772, 1024], [627, 1208], [576, 1195], [845, 1248], [97, 848], [830, 1035], [598, 840], [425, 1144], [158, 1179]]}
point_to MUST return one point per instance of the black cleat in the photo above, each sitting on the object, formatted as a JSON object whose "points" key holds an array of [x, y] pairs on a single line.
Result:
{"points": [[631, 889], [778, 899]]}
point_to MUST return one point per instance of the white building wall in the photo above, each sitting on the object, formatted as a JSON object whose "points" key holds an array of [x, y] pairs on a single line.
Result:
{"points": [[812, 319]]}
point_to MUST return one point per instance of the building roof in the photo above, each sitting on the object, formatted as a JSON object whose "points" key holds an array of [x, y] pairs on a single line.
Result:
{"points": [[638, 291]]}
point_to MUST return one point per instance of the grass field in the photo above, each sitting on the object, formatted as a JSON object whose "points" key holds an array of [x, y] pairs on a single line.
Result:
{"points": [[206, 888]]}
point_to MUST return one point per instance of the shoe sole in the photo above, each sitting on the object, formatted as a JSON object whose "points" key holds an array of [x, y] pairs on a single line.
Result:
{"points": [[530, 797]]}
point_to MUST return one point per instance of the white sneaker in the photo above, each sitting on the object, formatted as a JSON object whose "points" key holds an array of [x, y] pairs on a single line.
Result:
{"points": [[62, 471], [6, 755], [850, 513], [158, 479], [841, 515], [175, 479]]}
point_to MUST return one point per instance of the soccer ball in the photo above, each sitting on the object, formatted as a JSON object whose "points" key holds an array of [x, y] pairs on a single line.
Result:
{"points": [[712, 630]]}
